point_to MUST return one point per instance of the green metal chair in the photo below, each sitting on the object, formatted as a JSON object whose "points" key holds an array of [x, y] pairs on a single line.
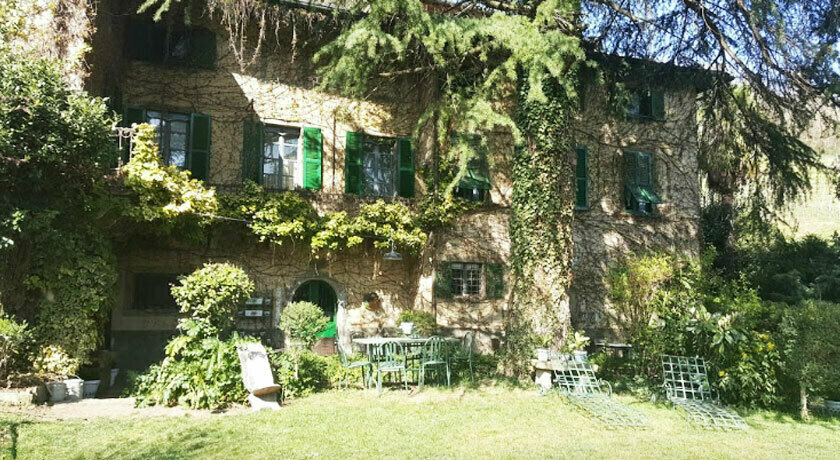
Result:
{"points": [[389, 357], [465, 352], [434, 355], [347, 365]]}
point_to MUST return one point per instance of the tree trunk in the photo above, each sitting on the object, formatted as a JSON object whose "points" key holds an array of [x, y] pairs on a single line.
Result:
{"points": [[803, 402], [540, 230]]}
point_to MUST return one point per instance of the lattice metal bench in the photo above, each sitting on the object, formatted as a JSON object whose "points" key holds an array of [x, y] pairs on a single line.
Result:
{"points": [[592, 395], [686, 383]]}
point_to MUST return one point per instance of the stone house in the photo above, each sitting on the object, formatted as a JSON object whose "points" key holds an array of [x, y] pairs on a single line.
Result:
{"points": [[637, 186]]}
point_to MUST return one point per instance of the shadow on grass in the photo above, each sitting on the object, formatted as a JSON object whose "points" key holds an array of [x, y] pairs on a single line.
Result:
{"points": [[9, 431]]}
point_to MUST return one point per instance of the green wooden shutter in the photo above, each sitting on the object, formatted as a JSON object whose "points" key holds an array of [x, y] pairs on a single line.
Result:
{"points": [[582, 178], [353, 161], [203, 48], [494, 281], [312, 148], [657, 104], [644, 168], [252, 149], [199, 154], [131, 114], [443, 281], [406, 172]]}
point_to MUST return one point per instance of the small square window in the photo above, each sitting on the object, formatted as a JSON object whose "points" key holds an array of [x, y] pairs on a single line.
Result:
{"points": [[466, 279], [152, 292]]}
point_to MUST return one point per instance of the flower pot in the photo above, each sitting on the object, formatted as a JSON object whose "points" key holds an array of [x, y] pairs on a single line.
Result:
{"points": [[89, 388], [57, 391], [407, 328], [74, 388], [543, 354], [114, 373]]}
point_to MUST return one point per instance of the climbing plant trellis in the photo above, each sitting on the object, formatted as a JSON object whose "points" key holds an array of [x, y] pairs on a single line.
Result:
{"points": [[686, 383]]}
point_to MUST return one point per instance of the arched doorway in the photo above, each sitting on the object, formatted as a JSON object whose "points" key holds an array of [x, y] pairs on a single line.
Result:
{"points": [[323, 295]]}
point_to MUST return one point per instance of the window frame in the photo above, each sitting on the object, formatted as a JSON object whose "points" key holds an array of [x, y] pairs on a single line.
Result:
{"points": [[460, 292], [394, 186], [166, 153], [298, 177], [644, 98], [581, 149], [650, 205], [479, 164]]}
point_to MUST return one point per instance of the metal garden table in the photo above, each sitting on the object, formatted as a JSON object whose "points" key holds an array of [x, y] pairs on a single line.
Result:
{"points": [[413, 346]]}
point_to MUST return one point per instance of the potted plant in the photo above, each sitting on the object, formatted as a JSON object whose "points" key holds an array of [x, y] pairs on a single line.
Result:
{"points": [[418, 322], [577, 345], [543, 344]]}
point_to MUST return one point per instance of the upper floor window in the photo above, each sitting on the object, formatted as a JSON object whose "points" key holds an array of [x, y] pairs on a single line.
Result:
{"points": [[282, 157], [378, 166], [280, 161], [159, 43], [639, 194], [647, 103], [475, 183], [183, 138], [152, 292], [469, 279], [581, 178]]}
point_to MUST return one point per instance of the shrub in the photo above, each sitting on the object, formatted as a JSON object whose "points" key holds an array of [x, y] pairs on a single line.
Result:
{"points": [[424, 323], [53, 361], [812, 348], [304, 372], [302, 321], [13, 338], [213, 293], [201, 370]]}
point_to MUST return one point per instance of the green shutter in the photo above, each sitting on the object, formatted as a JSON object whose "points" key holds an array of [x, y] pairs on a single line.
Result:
{"points": [[353, 161], [443, 281], [582, 178], [657, 104], [131, 115], [494, 281], [203, 44], [252, 149], [644, 169], [406, 175], [312, 148], [199, 155]]}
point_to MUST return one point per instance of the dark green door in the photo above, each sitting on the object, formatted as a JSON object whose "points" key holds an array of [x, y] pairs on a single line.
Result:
{"points": [[323, 295]]}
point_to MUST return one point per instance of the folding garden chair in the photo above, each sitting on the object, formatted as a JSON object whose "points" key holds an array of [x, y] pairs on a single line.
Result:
{"points": [[465, 352], [434, 355], [580, 385], [686, 383], [389, 357], [347, 366]]}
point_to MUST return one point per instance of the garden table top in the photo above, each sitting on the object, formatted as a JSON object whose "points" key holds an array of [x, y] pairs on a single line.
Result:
{"points": [[402, 340]]}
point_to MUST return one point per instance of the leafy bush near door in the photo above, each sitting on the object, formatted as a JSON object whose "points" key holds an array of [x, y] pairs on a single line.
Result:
{"points": [[424, 323]]}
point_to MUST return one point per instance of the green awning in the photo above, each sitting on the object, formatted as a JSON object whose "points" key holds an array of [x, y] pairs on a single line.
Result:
{"points": [[328, 331], [475, 179], [644, 193]]}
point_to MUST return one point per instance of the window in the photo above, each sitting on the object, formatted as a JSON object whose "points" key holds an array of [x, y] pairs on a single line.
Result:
{"points": [[469, 279], [639, 194], [581, 178], [476, 181], [281, 157], [171, 131], [647, 104], [280, 162], [466, 279], [170, 45], [152, 292], [378, 166], [183, 138]]}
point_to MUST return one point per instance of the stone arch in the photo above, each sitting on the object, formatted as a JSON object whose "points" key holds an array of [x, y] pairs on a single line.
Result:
{"points": [[342, 328]]}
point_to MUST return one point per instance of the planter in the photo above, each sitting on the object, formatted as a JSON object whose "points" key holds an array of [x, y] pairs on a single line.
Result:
{"points": [[114, 373], [581, 356], [57, 391], [74, 388], [407, 328], [90, 388], [543, 354]]}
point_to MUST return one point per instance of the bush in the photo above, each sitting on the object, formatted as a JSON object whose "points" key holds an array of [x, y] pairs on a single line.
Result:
{"points": [[424, 323], [303, 321], [201, 370], [213, 294], [812, 347], [13, 338], [304, 372]]}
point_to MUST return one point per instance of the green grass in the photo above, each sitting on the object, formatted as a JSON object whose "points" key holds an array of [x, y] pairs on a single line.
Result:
{"points": [[484, 423]]}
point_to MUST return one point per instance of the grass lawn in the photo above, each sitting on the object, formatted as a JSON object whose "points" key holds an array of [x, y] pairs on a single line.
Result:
{"points": [[490, 422]]}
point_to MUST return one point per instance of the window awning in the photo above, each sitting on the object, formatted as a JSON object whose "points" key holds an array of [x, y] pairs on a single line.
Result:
{"points": [[644, 193], [475, 179], [329, 331]]}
